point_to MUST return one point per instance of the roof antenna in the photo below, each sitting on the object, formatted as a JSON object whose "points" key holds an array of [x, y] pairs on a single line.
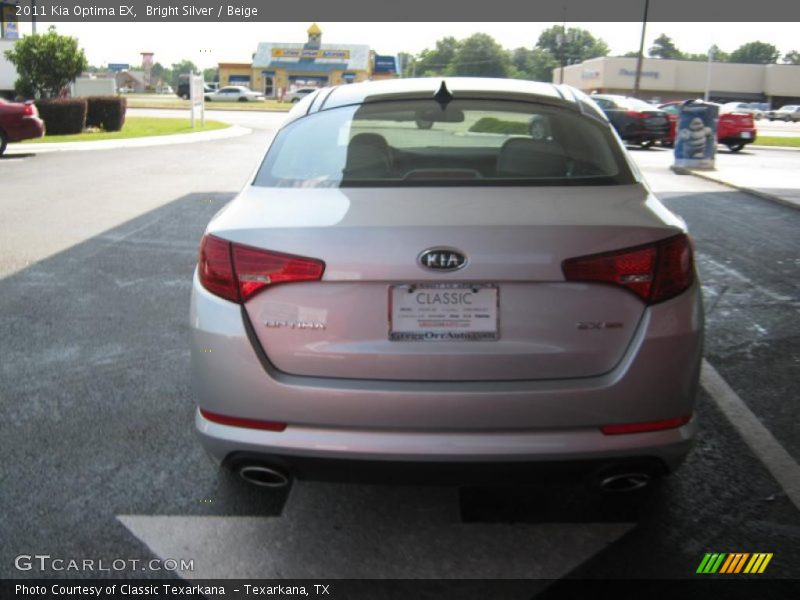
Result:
{"points": [[443, 96]]}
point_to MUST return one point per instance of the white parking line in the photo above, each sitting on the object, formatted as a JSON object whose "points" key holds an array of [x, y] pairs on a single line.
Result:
{"points": [[777, 460]]}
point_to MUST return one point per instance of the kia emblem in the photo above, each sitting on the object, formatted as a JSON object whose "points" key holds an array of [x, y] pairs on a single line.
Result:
{"points": [[442, 259]]}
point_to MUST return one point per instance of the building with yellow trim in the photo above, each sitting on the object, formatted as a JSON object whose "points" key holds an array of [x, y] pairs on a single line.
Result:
{"points": [[279, 68]]}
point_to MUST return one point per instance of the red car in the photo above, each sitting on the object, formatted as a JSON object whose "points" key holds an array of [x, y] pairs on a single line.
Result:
{"points": [[18, 121], [734, 129]]}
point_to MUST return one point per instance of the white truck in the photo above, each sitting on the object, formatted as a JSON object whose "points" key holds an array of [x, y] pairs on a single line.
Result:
{"points": [[90, 86], [8, 74]]}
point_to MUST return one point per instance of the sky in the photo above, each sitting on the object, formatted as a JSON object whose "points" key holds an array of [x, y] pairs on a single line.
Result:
{"points": [[207, 44]]}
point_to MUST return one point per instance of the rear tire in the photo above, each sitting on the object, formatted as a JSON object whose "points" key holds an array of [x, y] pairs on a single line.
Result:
{"points": [[735, 147], [646, 144], [242, 99], [3, 142]]}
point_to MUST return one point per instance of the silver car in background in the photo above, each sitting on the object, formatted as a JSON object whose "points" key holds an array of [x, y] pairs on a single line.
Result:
{"points": [[413, 283], [233, 93]]}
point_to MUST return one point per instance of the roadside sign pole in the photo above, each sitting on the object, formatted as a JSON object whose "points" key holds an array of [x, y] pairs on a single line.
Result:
{"points": [[196, 98]]}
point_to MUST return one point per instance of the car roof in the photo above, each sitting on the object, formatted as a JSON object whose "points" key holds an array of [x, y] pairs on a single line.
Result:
{"points": [[426, 87]]}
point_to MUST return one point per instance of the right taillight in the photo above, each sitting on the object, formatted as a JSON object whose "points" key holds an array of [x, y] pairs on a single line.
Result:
{"points": [[655, 272], [237, 273]]}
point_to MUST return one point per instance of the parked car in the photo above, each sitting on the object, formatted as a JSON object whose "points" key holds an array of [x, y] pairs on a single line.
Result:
{"points": [[18, 121], [184, 91], [743, 107], [760, 109], [299, 94], [735, 129], [457, 302], [785, 113], [636, 121], [233, 93]]}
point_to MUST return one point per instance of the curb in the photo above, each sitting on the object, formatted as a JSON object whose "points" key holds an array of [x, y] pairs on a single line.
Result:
{"points": [[221, 108], [142, 142], [784, 148], [741, 188]]}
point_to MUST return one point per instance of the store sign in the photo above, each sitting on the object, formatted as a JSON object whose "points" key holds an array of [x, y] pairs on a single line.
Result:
{"points": [[629, 73], [385, 64], [118, 67], [10, 25], [310, 53]]}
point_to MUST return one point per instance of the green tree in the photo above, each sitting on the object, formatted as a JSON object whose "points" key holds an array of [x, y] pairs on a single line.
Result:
{"points": [[211, 74], [759, 53], [664, 47], [438, 60], [481, 56], [46, 63], [792, 57], [573, 46], [719, 55], [534, 64], [181, 68]]}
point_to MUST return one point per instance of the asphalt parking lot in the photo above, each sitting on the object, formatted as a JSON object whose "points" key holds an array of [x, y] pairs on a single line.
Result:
{"points": [[100, 459]]}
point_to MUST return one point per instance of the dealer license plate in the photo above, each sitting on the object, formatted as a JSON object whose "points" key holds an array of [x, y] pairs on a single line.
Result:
{"points": [[443, 312], [746, 135]]}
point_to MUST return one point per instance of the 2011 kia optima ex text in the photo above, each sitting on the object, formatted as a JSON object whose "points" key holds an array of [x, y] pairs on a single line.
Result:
{"points": [[458, 279]]}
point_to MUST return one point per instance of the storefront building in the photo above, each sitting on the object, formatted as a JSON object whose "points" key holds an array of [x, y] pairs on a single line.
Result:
{"points": [[278, 68], [663, 80]]}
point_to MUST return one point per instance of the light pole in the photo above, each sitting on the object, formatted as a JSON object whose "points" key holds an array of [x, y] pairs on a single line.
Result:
{"points": [[33, 17], [708, 73], [638, 78]]}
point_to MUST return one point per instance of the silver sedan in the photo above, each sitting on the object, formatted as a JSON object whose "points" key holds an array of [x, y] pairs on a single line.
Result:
{"points": [[233, 93], [414, 284]]}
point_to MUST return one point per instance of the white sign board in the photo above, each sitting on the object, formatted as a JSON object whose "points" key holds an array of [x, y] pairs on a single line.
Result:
{"points": [[196, 92]]}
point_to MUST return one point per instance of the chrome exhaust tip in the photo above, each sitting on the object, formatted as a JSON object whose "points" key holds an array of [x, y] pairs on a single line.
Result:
{"points": [[625, 481], [263, 476]]}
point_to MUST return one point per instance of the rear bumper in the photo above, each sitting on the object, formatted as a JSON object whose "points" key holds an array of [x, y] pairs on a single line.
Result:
{"points": [[448, 422], [348, 454], [739, 137], [28, 128]]}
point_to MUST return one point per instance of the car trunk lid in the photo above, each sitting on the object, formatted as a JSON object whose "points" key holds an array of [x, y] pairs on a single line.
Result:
{"points": [[532, 323]]}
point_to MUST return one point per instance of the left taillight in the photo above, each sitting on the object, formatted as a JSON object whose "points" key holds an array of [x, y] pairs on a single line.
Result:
{"points": [[654, 272], [30, 110], [237, 273]]}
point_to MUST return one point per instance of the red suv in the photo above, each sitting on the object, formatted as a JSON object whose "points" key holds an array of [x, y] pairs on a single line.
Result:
{"points": [[734, 129], [18, 121]]}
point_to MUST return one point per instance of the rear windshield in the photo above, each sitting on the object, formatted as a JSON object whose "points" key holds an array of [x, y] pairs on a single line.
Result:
{"points": [[466, 143]]}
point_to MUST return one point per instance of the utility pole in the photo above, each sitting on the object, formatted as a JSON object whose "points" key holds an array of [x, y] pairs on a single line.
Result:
{"points": [[33, 17], [641, 52], [708, 73], [561, 39]]}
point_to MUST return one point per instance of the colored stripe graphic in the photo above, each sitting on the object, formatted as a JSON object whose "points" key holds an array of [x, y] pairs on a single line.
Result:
{"points": [[740, 564], [764, 564], [717, 563], [703, 563], [734, 563], [727, 564]]}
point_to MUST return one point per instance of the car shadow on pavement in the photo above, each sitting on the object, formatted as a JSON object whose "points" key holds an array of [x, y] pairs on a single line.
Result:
{"points": [[95, 377], [19, 155]]}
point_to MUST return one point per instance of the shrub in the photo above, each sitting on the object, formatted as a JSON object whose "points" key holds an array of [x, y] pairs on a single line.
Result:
{"points": [[493, 125], [107, 112], [63, 116]]}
